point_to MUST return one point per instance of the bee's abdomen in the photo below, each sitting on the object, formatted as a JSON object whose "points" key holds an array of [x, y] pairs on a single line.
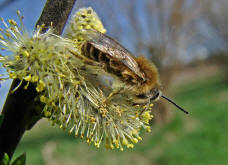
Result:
{"points": [[111, 65], [90, 52], [93, 53]]}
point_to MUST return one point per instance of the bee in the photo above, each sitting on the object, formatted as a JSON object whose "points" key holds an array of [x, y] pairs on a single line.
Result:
{"points": [[137, 72]]}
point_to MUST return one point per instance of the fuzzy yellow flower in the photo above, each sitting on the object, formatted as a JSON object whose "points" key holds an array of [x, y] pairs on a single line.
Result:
{"points": [[75, 95]]}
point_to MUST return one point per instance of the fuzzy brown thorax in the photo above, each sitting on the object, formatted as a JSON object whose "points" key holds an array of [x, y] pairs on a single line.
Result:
{"points": [[151, 76]]}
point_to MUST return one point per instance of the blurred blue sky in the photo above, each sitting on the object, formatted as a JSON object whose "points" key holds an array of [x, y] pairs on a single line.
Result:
{"points": [[31, 9], [116, 18]]}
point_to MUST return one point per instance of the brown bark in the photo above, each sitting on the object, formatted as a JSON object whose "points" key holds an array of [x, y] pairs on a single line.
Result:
{"points": [[19, 110]]}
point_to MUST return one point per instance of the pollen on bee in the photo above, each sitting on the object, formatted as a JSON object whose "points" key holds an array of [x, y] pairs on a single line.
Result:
{"points": [[74, 98]]}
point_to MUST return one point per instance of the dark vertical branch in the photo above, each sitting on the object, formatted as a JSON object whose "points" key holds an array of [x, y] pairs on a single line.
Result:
{"points": [[19, 110], [57, 12]]}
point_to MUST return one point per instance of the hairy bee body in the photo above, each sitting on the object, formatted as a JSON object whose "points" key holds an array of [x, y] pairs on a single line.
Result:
{"points": [[110, 64], [137, 72]]}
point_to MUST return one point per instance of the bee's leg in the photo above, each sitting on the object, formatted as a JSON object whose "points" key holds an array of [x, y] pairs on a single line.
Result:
{"points": [[86, 60], [113, 93]]}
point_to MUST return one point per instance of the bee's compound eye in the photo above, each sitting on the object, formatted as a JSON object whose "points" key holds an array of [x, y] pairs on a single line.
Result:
{"points": [[142, 96], [156, 94]]}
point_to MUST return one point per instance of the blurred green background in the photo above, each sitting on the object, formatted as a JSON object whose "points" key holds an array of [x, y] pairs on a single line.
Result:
{"points": [[199, 138], [188, 41]]}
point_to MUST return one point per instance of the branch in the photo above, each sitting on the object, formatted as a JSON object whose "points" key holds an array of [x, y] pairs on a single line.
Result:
{"points": [[20, 109]]}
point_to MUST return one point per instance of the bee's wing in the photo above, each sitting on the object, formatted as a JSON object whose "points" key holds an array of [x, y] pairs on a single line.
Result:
{"points": [[113, 49]]}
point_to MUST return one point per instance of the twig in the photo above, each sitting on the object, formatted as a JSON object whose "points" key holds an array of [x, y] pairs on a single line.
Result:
{"points": [[20, 109]]}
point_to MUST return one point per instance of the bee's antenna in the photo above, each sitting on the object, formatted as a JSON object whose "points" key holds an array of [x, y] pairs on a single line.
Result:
{"points": [[174, 104]]}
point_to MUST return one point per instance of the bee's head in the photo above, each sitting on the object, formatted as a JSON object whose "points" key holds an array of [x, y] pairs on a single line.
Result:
{"points": [[152, 96]]}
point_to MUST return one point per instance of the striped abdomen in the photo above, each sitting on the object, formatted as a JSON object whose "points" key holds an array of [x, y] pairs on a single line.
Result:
{"points": [[111, 64], [93, 53]]}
